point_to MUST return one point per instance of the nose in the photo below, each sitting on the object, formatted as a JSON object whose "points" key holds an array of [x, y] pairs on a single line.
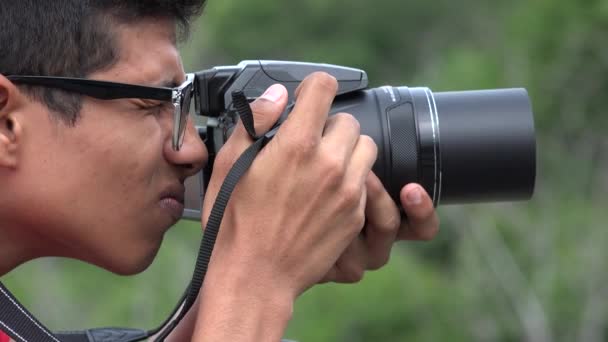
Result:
{"points": [[192, 156]]}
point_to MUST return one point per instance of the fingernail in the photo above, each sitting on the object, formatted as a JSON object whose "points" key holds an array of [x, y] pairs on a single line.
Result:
{"points": [[414, 197], [274, 93]]}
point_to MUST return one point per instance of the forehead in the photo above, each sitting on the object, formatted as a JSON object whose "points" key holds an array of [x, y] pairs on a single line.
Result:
{"points": [[147, 54]]}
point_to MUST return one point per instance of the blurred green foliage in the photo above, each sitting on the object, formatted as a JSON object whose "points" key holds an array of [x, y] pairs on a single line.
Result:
{"points": [[533, 271]]}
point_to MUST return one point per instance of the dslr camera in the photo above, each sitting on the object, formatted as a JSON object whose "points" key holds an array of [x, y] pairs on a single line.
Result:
{"points": [[461, 146]]}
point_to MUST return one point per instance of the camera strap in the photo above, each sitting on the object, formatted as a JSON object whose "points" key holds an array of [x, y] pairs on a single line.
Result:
{"points": [[21, 326]]}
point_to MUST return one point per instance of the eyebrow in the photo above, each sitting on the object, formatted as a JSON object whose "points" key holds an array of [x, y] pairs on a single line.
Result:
{"points": [[166, 84]]}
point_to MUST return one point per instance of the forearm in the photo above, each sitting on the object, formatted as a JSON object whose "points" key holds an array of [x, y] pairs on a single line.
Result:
{"points": [[233, 309]]}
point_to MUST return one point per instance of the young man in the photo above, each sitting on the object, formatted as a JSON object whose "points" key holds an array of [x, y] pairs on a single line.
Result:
{"points": [[106, 176]]}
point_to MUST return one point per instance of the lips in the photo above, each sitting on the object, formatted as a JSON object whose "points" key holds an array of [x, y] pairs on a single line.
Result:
{"points": [[172, 201]]}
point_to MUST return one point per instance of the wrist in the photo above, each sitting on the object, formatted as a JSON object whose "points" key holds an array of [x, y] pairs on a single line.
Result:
{"points": [[238, 306], [249, 282], [259, 274]]}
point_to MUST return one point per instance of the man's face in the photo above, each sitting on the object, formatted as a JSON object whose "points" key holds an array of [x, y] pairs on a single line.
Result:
{"points": [[105, 190]]}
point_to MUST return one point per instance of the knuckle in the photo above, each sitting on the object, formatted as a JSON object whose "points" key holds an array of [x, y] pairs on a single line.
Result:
{"points": [[379, 262], [347, 119], [325, 81], [333, 166], [390, 225], [353, 273], [368, 141], [369, 144], [350, 195], [302, 146]]}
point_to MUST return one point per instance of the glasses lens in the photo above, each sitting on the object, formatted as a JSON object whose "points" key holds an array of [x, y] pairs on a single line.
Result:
{"points": [[185, 112]]}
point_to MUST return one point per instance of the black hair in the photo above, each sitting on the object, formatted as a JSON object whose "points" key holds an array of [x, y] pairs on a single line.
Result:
{"points": [[74, 38]]}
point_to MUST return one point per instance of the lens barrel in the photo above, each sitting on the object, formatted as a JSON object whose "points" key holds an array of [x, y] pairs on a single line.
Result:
{"points": [[463, 147]]}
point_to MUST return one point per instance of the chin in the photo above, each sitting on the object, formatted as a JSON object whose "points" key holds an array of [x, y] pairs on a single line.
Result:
{"points": [[131, 263]]}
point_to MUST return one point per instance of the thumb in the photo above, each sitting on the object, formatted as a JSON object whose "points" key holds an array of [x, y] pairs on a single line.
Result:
{"points": [[266, 111], [268, 108]]}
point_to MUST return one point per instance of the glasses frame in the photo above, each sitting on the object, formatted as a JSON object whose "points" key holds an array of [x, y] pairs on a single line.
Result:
{"points": [[105, 90]]}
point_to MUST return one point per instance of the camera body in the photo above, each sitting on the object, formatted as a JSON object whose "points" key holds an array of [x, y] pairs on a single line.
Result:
{"points": [[213, 101]]}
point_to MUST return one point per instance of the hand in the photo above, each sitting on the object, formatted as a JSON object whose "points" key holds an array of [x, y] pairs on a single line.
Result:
{"points": [[371, 249], [292, 215], [302, 201]]}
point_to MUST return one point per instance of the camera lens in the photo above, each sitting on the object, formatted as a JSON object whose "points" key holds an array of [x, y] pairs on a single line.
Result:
{"points": [[463, 147]]}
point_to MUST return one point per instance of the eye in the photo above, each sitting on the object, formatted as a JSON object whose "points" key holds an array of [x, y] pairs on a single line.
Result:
{"points": [[156, 109]]}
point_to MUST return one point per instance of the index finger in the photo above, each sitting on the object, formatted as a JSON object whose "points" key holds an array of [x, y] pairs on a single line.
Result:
{"points": [[314, 97]]}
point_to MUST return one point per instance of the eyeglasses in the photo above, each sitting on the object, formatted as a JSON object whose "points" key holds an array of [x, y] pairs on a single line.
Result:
{"points": [[180, 96]]}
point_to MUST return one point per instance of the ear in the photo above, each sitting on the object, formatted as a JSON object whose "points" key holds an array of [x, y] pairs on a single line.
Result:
{"points": [[11, 130]]}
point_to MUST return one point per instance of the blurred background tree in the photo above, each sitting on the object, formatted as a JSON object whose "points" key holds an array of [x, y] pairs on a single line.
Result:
{"points": [[535, 271]]}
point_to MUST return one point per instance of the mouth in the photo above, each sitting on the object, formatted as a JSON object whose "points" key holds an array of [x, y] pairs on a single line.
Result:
{"points": [[172, 201]]}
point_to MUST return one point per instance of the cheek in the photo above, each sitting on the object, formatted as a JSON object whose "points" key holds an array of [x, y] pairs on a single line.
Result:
{"points": [[112, 165], [100, 176], [125, 162]]}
